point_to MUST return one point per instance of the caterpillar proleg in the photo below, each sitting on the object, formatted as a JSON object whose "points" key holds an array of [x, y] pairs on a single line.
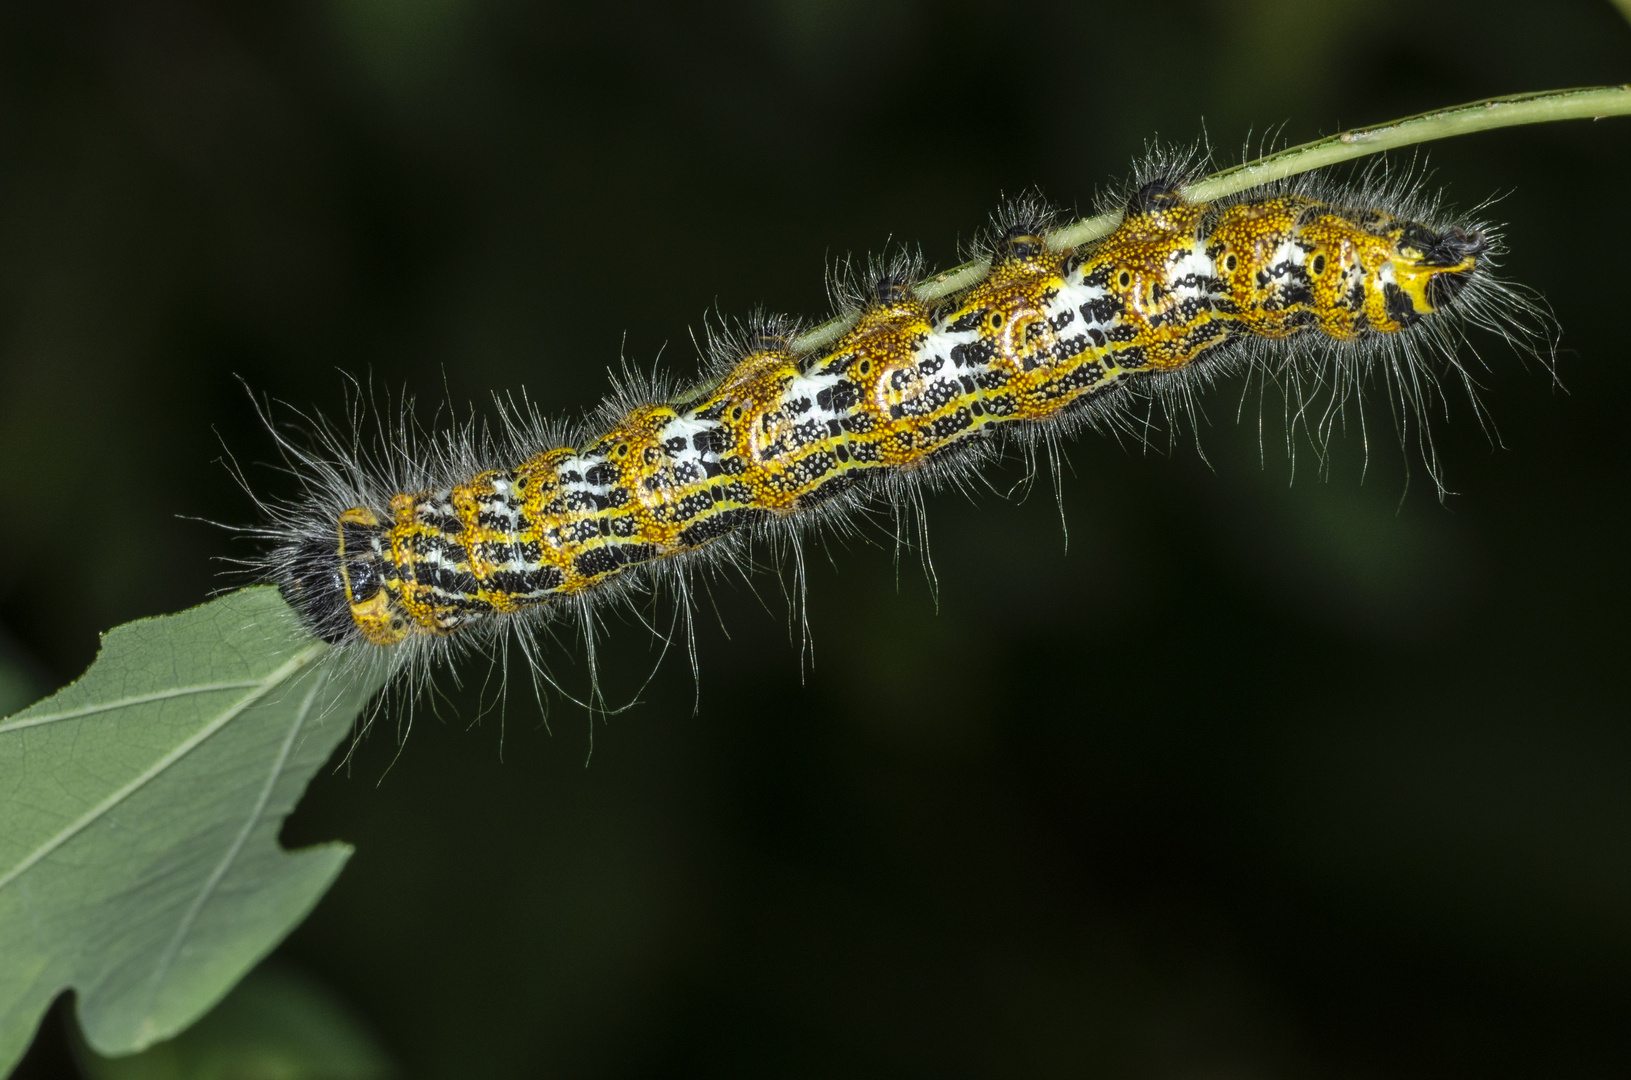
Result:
{"points": [[504, 526]]}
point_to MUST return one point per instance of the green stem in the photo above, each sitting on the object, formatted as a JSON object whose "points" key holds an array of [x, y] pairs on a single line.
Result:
{"points": [[1588, 102]]}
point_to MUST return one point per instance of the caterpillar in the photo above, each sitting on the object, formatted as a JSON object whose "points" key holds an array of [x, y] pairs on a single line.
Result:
{"points": [[457, 538]]}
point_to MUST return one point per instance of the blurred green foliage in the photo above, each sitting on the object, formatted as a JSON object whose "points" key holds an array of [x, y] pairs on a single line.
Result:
{"points": [[1316, 778], [18, 686], [277, 1024]]}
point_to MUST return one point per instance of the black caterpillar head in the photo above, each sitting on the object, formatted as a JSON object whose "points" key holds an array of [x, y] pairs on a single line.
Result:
{"points": [[1456, 250]]}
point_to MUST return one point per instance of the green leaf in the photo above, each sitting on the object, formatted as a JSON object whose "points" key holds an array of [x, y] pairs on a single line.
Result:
{"points": [[275, 1025], [139, 812]]}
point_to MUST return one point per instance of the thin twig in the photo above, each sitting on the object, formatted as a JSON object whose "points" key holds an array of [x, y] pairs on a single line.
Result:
{"points": [[1513, 109]]}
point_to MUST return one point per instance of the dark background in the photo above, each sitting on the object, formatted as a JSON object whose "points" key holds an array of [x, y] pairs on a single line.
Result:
{"points": [[1257, 779]]}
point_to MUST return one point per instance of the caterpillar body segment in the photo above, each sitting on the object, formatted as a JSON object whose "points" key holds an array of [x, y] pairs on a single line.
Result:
{"points": [[1041, 340]]}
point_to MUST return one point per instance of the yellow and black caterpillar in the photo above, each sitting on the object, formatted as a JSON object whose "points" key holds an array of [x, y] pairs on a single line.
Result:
{"points": [[1049, 339]]}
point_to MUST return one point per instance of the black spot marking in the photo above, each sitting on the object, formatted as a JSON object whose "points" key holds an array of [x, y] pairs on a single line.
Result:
{"points": [[610, 557], [828, 488], [1442, 289], [721, 523], [1020, 242], [1103, 309], [1298, 294], [1131, 359], [840, 397], [891, 289], [1399, 306], [603, 475], [445, 523], [543, 579], [1157, 195]]}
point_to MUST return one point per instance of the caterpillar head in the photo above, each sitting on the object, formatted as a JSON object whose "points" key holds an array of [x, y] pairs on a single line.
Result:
{"points": [[1432, 268]]}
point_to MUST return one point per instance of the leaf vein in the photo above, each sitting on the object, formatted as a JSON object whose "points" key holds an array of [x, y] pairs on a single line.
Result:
{"points": [[231, 854], [137, 699], [85, 820]]}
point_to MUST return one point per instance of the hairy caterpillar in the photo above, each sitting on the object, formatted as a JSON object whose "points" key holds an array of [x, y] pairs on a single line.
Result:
{"points": [[409, 549]]}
